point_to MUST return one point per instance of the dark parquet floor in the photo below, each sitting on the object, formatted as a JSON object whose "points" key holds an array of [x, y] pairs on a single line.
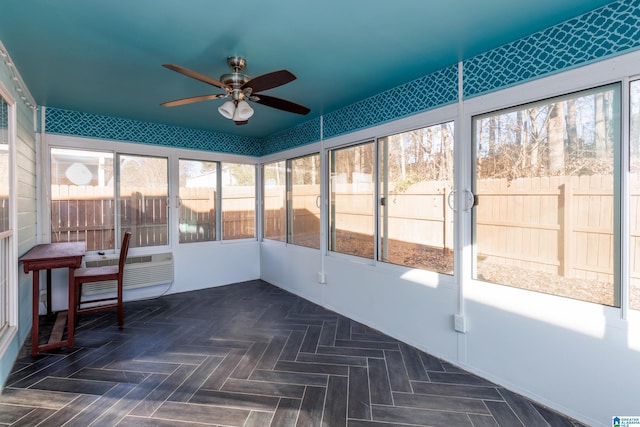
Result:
{"points": [[249, 354]]}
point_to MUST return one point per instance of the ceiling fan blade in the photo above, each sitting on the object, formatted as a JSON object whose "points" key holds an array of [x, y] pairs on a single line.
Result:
{"points": [[269, 81], [282, 104], [242, 122], [192, 99], [195, 75]]}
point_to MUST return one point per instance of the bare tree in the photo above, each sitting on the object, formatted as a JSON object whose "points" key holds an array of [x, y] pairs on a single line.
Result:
{"points": [[572, 128], [555, 138]]}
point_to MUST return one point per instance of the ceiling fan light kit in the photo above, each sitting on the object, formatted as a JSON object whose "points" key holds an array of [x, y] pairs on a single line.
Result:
{"points": [[237, 111], [241, 88]]}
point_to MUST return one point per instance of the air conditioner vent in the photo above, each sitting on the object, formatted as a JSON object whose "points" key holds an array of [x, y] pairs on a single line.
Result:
{"points": [[139, 272]]}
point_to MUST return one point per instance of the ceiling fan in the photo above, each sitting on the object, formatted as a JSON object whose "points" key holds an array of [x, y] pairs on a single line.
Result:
{"points": [[240, 88]]}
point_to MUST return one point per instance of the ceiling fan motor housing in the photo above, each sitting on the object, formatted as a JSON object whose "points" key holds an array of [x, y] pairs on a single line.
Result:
{"points": [[236, 79]]}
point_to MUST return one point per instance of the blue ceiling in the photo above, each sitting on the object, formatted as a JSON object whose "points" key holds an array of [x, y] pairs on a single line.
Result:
{"points": [[105, 57]]}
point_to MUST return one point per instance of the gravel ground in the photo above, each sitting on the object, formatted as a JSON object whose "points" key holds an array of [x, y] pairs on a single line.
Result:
{"points": [[585, 290], [435, 259]]}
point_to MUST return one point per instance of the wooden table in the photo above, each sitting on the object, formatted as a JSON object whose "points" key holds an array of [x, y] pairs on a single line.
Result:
{"points": [[46, 257]]}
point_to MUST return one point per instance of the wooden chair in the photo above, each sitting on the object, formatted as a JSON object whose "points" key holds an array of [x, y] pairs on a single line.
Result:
{"points": [[102, 274]]}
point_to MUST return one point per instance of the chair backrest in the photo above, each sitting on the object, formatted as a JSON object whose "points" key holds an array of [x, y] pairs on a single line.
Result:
{"points": [[123, 252]]}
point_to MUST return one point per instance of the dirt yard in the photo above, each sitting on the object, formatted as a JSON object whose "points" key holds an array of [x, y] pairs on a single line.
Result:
{"points": [[436, 259]]}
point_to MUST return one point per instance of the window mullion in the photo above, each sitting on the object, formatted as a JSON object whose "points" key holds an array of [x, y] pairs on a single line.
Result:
{"points": [[383, 202], [218, 201], [288, 202]]}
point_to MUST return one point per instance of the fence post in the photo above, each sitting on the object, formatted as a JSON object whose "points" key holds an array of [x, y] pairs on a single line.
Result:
{"points": [[136, 217], [564, 235]]}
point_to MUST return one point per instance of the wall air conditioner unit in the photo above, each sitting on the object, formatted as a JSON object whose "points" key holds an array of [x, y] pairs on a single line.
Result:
{"points": [[139, 272]]}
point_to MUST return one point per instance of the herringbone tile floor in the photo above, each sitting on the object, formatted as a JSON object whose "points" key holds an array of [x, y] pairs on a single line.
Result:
{"points": [[249, 354]]}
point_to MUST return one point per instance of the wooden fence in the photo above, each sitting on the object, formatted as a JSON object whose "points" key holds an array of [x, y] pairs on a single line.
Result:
{"points": [[87, 214], [306, 215], [561, 225], [420, 214]]}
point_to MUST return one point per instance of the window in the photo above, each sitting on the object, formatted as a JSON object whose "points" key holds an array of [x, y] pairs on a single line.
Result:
{"points": [[352, 190], [275, 201], [634, 197], [544, 180], [305, 201], [292, 201], [4, 167], [8, 263], [238, 201], [416, 177], [143, 194], [197, 200], [98, 195], [82, 198]]}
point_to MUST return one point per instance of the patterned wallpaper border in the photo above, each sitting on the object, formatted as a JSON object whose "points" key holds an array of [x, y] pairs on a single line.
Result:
{"points": [[434, 90], [604, 32], [304, 133], [68, 122]]}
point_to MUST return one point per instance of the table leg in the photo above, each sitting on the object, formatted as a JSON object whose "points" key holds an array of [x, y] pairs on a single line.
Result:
{"points": [[49, 292], [71, 321], [35, 313]]}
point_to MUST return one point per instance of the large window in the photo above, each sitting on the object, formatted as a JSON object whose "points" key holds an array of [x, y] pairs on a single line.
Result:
{"points": [[274, 195], [305, 201], [545, 207], [7, 255], [292, 201], [98, 195], [416, 178], [352, 190], [82, 198], [238, 201], [4, 166], [144, 193], [197, 200]]}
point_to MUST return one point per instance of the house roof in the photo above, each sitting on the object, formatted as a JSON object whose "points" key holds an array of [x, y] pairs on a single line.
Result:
{"points": [[105, 57]]}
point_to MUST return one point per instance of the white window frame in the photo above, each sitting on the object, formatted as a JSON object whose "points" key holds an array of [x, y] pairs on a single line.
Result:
{"points": [[218, 200], [263, 210], [375, 196], [294, 153], [289, 201], [172, 153], [619, 69], [9, 326], [257, 222], [444, 114]]}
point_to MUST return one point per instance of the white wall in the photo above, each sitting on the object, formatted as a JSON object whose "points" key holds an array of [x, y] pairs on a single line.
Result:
{"points": [[196, 265], [579, 358], [25, 232], [205, 265], [407, 304], [294, 268]]}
